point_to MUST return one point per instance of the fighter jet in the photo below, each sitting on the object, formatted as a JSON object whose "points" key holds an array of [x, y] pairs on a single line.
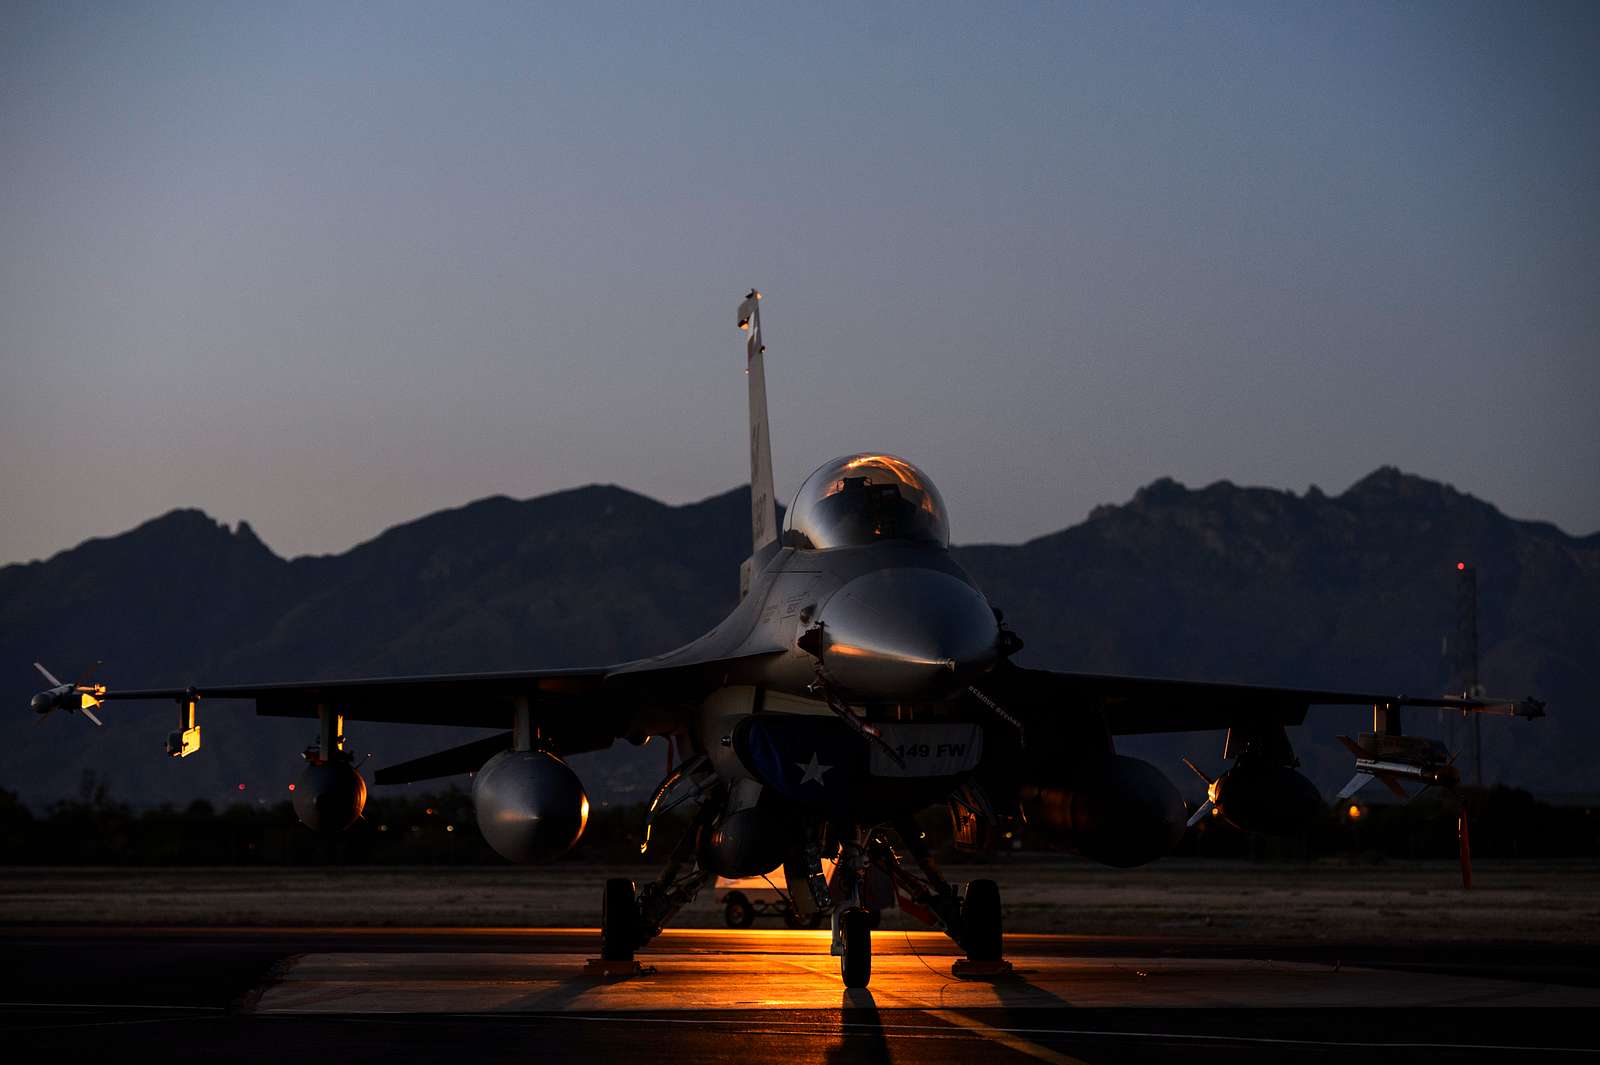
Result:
{"points": [[862, 679]]}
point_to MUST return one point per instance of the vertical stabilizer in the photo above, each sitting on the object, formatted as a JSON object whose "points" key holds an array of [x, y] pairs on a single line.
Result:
{"points": [[763, 504]]}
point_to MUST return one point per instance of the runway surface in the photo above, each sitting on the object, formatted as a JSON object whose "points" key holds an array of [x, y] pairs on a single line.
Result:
{"points": [[715, 996]]}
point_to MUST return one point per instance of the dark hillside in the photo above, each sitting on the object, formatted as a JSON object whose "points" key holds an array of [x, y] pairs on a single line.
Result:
{"points": [[1221, 583]]}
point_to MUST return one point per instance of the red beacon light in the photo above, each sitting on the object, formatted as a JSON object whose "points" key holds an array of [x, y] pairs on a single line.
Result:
{"points": [[1461, 565]]}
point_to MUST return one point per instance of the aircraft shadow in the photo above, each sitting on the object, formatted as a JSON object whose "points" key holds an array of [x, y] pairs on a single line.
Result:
{"points": [[861, 1035]]}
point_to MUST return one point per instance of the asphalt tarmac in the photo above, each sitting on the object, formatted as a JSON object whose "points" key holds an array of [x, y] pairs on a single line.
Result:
{"points": [[357, 995]]}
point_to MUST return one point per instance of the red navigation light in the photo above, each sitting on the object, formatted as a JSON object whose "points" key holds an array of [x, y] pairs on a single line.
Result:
{"points": [[1461, 565]]}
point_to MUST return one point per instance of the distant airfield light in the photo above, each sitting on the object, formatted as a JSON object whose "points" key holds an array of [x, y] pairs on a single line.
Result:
{"points": [[1461, 565], [291, 787], [241, 787], [449, 828], [429, 811]]}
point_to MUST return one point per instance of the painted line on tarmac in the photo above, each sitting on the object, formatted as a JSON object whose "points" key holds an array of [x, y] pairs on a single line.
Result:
{"points": [[106, 1024], [107, 1006], [1171, 1037], [1008, 1039]]}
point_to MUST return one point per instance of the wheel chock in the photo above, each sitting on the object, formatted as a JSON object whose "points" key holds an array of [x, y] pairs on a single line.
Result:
{"points": [[968, 969]]}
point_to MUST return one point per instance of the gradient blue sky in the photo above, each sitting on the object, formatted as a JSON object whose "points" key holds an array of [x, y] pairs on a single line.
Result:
{"points": [[327, 268]]}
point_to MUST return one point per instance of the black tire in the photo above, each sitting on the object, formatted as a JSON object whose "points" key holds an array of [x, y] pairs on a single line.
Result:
{"points": [[980, 921], [855, 964], [737, 911], [792, 918], [619, 921]]}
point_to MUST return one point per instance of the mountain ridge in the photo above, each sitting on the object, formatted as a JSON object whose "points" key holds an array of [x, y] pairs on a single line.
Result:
{"points": [[1220, 582]]}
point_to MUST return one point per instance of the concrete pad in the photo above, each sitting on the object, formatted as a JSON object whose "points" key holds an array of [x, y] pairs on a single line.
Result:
{"points": [[438, 982]]}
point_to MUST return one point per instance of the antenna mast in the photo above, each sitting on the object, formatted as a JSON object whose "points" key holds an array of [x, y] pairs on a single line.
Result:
{"points": [[1466, 665]]}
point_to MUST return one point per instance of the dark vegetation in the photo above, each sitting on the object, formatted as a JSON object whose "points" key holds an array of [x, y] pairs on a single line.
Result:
{"points": [[439, 829], [434, 829]]}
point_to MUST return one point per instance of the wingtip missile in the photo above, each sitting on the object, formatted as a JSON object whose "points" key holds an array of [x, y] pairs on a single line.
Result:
{"points": [[78, 697]]}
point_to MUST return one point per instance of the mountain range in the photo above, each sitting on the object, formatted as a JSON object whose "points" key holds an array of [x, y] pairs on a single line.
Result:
{"points": [[1356, 590]]}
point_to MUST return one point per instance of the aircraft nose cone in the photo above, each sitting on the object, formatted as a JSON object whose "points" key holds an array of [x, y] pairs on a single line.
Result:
{"points": [[903, 634]]}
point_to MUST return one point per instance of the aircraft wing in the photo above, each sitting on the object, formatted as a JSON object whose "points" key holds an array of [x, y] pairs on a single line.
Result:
{"points": [[1132, 705], [574, 708]]}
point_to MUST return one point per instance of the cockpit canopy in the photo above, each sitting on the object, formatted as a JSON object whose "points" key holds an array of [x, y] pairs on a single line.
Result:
{"points": [[862, 499]]}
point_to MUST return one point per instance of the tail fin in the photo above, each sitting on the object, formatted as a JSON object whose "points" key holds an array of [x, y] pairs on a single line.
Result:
{"points": [[763, 504]]}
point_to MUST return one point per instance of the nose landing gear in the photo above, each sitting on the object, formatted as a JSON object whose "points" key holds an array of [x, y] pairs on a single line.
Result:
{"points": [[855, 941]]}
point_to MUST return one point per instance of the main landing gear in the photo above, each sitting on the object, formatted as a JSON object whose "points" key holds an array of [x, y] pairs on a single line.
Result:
{"points": [[619, 921], [972, 919], [629, 920], [980, 921]]}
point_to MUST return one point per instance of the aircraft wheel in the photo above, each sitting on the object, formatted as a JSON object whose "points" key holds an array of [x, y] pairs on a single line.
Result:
{"points": [[737, 911], [619, 920], [980, 921], [855, 964]]}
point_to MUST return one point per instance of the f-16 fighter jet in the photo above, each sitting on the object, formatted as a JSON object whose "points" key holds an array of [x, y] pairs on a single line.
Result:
{"points": [[862, 679]]}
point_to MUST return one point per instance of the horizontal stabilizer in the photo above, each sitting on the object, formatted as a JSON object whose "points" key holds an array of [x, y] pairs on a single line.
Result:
{"points": [[463, 759]]}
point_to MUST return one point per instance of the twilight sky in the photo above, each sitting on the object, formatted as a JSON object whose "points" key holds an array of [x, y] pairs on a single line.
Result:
{"points": [[328, 268]]}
